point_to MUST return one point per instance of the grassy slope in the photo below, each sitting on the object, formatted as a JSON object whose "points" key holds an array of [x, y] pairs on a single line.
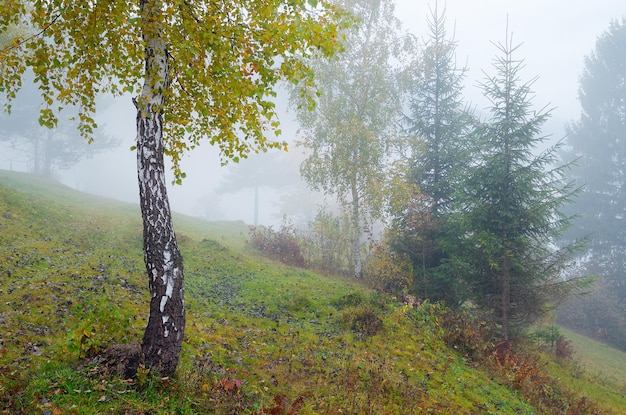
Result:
{"points": [[261, 337], [597, 371]]}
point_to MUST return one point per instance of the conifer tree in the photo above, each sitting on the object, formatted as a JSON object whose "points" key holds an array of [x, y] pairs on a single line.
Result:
{"points": [[597, 144], [509, 204], [437, 126]]}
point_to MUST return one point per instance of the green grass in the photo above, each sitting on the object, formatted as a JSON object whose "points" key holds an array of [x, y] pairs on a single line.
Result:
{"points": [[261, 337], [596, 371], [598, 359]]}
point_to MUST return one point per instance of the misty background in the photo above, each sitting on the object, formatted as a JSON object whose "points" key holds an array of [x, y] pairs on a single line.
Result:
{"points": [[556, 36]]}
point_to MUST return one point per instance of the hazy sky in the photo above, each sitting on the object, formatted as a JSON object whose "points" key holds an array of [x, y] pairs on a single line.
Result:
{"points": [[556, 35]]}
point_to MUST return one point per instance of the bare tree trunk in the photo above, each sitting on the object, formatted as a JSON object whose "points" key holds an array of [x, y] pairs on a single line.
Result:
{"points": [[164, 333], [46, 167], [356, 223], [506, 300], [36, 156]]}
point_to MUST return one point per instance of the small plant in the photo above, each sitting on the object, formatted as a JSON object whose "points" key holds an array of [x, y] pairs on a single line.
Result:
{"points": [[547, 335], [467, 332], [362, 319], [300, 303], [352, 299], [564, 349]]}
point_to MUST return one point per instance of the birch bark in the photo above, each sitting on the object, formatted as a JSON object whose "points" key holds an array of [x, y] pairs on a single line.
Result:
{"points": [[163, 336]]}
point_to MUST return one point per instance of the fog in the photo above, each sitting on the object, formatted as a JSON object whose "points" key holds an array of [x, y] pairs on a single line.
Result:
{"points": [[556, 36]]}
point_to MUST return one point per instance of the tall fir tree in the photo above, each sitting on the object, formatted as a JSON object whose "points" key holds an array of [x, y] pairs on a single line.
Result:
{"points": [[509, 204], [437, 125], [597, 143]]}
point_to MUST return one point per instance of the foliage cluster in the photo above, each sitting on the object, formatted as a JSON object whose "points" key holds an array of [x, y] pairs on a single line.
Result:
{"points": [[522, 371], [325, 245], [387, 270]]}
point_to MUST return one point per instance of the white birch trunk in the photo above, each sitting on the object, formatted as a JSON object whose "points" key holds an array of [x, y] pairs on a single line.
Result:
{"points": [[163, 336]]}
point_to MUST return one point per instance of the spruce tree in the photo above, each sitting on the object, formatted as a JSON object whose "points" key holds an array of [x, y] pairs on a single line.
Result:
{"points": [[597, 143], [437, 124], [509, 204]]}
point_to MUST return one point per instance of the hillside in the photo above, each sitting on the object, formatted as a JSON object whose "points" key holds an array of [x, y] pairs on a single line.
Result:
{"points": [[262, 338]]}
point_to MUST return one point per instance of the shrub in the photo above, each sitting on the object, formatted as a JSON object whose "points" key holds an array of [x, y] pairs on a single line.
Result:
{"points": [[362, 319], [564, 349], [281, 245], [388, 271], [327, 244], [468, 332]]}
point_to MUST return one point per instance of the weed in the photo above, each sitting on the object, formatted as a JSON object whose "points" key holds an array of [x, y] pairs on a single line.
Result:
{"points": [[564, 348], [362, 319], [352, 299]]}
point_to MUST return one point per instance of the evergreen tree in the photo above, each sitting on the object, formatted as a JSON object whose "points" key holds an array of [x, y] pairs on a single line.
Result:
{"points": [[47, 149], [509, 204], [437, 125], [597, 141]]}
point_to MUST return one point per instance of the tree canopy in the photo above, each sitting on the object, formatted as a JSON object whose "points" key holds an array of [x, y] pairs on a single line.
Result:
{"points": [[225, 58]]}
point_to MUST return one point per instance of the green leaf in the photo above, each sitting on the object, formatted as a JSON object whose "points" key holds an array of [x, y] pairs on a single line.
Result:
{"points": [[313, 3], [133, 148]]}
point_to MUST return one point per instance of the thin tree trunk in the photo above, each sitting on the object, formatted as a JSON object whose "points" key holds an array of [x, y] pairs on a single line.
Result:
{"points": [[356, 242], [36, 156], [506, 300], [47, 154], [164, 333]]}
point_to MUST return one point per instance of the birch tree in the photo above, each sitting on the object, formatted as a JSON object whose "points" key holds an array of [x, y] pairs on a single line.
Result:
{"points": [[347, 136], [199, 71]]}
